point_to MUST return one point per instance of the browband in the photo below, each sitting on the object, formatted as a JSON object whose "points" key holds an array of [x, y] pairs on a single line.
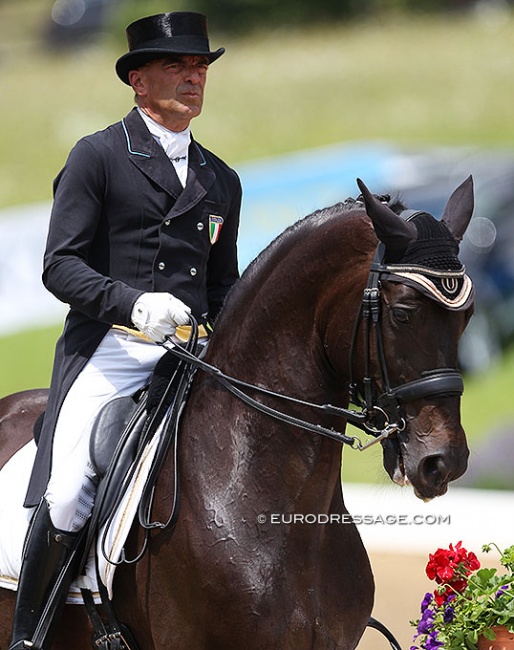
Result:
{"points": [[452, 289]]}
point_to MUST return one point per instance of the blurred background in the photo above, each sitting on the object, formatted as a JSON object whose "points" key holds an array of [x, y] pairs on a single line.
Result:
{"points": [[410, 95]]}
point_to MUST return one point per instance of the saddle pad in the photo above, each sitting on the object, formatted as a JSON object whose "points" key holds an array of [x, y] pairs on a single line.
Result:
{"points": [[15, 519]]}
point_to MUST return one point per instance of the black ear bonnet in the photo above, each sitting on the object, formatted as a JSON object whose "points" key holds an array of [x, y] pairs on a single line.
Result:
{"points": [[430, 263]]}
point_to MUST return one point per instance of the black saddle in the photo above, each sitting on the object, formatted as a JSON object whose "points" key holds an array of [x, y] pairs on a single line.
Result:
{"points": [[122, 427], [113, 447]]}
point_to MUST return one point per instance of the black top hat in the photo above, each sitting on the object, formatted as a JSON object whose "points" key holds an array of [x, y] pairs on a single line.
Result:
{"points": [[153, 37]]}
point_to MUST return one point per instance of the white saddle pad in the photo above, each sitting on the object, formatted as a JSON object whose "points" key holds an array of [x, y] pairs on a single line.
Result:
{"points": [[14, 521]]}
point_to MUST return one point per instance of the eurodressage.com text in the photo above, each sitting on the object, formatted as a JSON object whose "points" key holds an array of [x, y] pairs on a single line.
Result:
{"points": [[367, 520]]}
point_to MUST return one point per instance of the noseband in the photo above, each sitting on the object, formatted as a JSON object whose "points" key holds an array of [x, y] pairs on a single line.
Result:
{"points": [[384, 417], [386, 412]]}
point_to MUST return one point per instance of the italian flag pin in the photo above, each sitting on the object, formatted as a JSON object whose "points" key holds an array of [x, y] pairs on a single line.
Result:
{"points": [[215, 223]]}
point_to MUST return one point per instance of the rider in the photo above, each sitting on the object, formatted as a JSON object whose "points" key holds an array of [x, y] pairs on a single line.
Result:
{"points": [[142, 234]]}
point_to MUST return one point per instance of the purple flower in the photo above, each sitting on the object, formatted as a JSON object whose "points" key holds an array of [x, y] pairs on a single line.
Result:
{"points": [[448, 614], [432, 642], [426, 601], [501, 590], [426, 621]]}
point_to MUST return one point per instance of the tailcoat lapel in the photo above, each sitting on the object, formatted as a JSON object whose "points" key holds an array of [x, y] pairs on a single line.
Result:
{"points": [[150, 158], [200, 178]]}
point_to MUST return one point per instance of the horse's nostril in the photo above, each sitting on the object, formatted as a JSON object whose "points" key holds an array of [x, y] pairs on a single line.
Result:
{"points": [[434, 468]]}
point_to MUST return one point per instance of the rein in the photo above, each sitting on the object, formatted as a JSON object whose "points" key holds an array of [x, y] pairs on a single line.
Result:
{"points": [[234, 386], [379, 420]]}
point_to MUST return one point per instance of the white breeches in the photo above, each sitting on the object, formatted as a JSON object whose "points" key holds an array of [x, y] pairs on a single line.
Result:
{"points": [[121, 365]]}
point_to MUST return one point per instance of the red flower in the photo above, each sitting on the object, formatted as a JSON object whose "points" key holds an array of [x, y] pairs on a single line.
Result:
{"points": [[441, 566], [440, 596], [451, 567]]}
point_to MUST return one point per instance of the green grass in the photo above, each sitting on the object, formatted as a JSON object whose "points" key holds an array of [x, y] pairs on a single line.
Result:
{"points": [[26, 359]]}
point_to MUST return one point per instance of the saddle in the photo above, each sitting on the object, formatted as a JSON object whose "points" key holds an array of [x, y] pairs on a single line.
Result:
{"points": [[126, 424]]}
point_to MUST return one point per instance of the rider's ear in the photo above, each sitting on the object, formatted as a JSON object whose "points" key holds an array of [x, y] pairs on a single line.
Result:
{"points": [[136, 80]]}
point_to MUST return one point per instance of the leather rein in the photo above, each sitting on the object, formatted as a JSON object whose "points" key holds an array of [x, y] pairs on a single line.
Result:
{"points": [[379, 419]]}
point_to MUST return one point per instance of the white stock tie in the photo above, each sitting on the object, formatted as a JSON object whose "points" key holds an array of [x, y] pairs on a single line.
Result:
{"points": [[176, 147]]}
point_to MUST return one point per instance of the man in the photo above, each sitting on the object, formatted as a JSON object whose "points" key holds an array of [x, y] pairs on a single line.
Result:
{"points": [[143, 232]]}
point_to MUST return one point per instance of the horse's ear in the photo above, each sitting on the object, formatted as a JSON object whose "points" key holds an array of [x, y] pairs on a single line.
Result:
{"points": [[390, 228], [459, 209]]}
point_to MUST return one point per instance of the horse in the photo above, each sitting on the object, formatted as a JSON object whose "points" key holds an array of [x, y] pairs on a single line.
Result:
{"points": [[243, 566]]}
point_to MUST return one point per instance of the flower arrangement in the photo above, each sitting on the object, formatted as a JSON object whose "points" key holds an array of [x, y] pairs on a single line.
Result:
{"points": [[468, 601]]}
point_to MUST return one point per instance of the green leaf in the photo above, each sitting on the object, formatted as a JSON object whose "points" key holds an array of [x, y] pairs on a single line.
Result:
{"points": [[472, 637]]}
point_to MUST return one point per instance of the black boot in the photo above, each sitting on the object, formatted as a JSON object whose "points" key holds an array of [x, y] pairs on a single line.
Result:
{"points": [[46, 552]]}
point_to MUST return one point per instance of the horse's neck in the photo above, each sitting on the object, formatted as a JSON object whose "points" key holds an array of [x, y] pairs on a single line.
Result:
{"points": [[275, 331], [294, 468]]}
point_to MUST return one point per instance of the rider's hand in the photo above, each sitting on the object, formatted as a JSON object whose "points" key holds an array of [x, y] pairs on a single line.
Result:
{"points": [[158, 314]]}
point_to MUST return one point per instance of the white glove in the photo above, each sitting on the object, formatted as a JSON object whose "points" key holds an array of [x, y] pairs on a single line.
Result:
{"points": [[158, 314]]}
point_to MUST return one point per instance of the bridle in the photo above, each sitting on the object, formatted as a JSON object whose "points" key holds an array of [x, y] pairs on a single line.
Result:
{"points": [[379, 418], [439, 382]]}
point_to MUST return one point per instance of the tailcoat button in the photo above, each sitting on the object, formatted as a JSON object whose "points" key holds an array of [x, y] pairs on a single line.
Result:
{"points": [[199, 225], [193, 271], [167, 222], [162, 266]]}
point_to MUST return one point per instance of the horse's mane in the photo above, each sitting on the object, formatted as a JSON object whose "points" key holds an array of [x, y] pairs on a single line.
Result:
{"points": [[291, 235], [289, 238]]}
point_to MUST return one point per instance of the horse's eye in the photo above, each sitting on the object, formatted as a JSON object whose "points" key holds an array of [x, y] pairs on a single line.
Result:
{"points": [[400, 315]]}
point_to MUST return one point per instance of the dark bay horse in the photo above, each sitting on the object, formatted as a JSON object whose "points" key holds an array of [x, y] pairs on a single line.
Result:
{"points": [[231, 575]]}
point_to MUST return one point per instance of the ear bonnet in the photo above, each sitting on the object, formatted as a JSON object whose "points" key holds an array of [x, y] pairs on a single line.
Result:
{"points": [[430, 263]]}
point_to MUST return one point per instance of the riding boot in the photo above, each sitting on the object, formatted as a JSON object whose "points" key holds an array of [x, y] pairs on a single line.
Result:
{"points": [[45, 554]]}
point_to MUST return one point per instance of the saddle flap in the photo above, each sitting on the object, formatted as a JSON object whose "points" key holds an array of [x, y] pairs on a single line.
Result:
{"points": [[107, 429]]}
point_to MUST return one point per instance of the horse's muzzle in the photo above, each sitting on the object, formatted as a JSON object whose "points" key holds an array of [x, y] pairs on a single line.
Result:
{"points": [[429, 474]]}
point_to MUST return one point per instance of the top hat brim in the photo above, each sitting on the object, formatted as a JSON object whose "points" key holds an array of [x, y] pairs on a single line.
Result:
{"points": [[135, 59]]}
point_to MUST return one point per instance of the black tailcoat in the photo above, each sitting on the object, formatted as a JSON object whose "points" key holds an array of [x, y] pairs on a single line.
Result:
{"points": [[121, 225]]}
